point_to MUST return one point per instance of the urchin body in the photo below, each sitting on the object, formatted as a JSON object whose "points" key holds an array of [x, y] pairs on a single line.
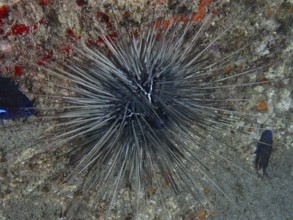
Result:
{"points": [[143, 107]]}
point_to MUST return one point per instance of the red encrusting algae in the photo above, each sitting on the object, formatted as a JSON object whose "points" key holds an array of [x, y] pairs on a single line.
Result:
{"points": [[3, 11], [196, 16], [20, 29], [17, 70], [43, 2]]}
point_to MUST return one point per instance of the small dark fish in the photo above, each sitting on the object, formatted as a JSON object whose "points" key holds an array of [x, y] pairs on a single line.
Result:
{"points": [[263, 151], [13, 103]]}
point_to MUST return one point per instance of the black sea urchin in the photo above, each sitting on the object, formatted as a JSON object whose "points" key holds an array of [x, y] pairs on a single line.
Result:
{"points": [[145, 108], [155, 107]]}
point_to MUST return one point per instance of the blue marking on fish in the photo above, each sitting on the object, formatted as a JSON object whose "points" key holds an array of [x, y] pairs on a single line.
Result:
{"points": [[13, 103], [263, 151]]}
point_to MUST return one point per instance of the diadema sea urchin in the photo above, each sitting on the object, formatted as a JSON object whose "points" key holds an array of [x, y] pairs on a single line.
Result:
{"points": [[155, 108]]}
